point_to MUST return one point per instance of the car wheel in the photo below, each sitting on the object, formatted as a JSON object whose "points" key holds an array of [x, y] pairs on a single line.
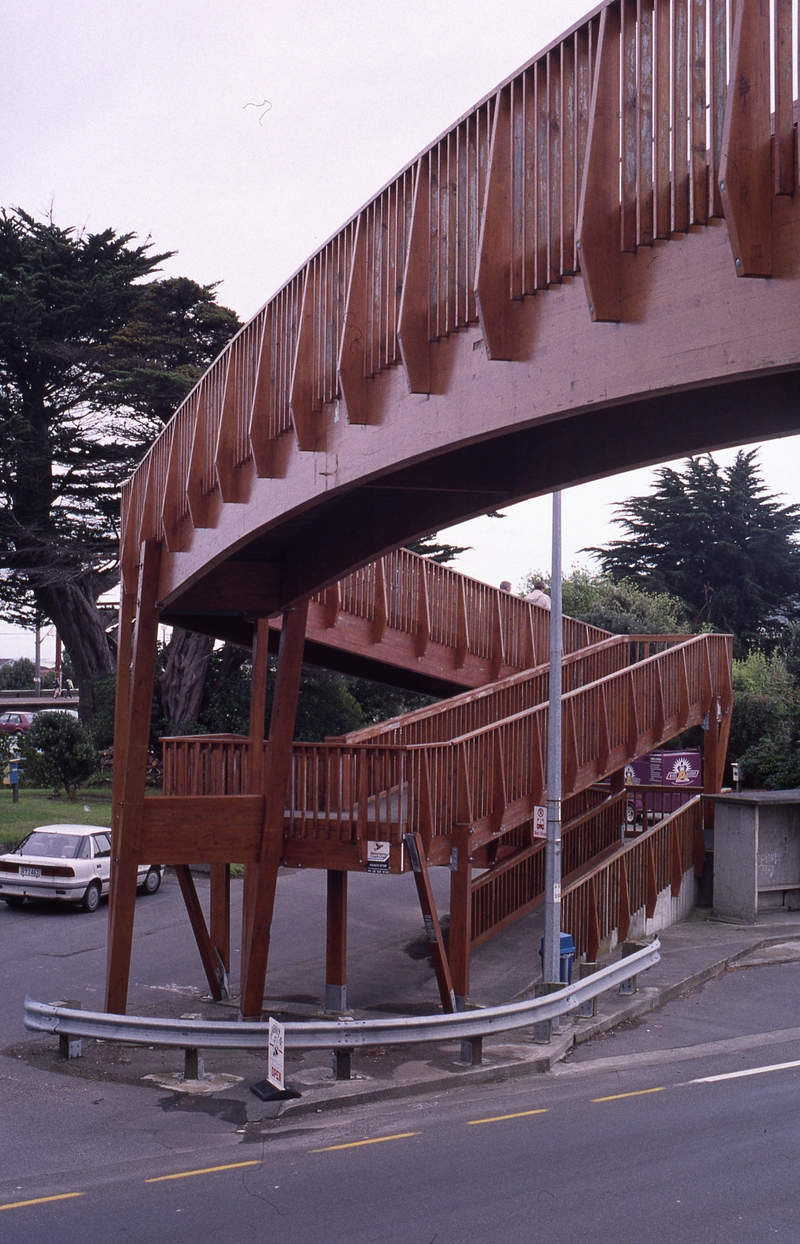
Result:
{"points": [[15, 900], [91, 899], [152, 881]]}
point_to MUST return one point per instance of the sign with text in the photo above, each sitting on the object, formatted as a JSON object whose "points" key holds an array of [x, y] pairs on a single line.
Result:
{"points": [[540, 820], [275, 1055], [378, 857]]}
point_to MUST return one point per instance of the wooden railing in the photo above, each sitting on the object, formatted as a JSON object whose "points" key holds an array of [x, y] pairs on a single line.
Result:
{"points": [[513, 887], [435, 604], [540, 181], [488, 779], [603, 896], [462, 714]]}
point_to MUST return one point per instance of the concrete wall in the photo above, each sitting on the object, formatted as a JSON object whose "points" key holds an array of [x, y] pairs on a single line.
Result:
{"points": [[756, 853], [668, 911]]}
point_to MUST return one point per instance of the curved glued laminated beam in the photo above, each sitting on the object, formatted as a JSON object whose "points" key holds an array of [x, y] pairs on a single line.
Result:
{"points": [[745, 171], [498, 400]]}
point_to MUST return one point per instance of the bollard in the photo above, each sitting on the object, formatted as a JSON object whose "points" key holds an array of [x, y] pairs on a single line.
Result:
{"points": [[69, 1047], [193, 1066]]}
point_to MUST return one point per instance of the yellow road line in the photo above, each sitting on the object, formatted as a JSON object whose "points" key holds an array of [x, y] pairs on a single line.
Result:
{"points": [[499, 1118], [636, 1093], [206, 1170], [42, 1200], [356, 1144]]}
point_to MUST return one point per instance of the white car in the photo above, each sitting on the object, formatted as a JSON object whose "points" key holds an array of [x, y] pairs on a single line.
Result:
{"points": [[67, 862]]}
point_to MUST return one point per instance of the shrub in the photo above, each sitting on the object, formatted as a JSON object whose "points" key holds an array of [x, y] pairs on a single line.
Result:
{"points": [[58, 752]]}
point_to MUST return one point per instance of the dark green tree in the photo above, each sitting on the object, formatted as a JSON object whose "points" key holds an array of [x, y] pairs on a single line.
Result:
{"points": [[58, 752], [623, 608], [91, 362], [718, 540], [437, 551]]}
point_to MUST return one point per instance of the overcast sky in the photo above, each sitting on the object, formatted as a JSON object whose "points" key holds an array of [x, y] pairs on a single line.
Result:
{"points": [[243, 134]]}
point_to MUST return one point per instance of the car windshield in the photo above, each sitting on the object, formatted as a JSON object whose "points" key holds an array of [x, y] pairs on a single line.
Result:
{"points": [[51, 846]]}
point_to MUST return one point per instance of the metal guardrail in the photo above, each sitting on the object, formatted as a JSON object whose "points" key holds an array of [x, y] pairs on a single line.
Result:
{"points": [[337, 1035]]}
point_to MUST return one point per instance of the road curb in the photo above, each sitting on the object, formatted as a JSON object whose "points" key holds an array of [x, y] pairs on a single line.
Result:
{"points": [[646, 1000]]}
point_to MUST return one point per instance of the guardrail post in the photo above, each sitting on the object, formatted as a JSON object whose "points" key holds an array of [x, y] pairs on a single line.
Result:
{"points": [[631, 985], [471, 1052], [341, 1064], [193, 1065], [587, 1010], [67, 1047]]}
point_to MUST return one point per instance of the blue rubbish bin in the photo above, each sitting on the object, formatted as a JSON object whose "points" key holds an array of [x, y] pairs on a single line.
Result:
{"points": [[567, 955]]}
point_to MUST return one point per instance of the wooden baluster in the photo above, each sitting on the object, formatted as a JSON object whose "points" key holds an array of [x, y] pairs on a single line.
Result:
{"points": [[462, 626], [593, 926], [745, 173], [426, 818], [332, 606], [598, 217], [675, 861], [413, 329], [497, 650], [380, 607], [652, 884], [624, 903], [499, 796], [423, 628], [495, 247]]}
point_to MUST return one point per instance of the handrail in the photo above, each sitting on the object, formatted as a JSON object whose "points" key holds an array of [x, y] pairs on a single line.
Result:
{"points": [[334, 1034]]}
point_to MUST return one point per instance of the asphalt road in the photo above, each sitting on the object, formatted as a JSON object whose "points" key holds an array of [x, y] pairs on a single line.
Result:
{"points": [[628, 1142]]}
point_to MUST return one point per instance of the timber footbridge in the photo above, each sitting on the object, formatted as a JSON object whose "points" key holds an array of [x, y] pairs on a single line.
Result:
{"points": [[598, 267]]}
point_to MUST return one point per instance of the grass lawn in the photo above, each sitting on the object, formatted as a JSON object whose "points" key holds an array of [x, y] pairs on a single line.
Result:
{"points": [[38, 807]]}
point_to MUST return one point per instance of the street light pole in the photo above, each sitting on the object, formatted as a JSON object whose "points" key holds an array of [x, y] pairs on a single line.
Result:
{"points": [[552, 859]]}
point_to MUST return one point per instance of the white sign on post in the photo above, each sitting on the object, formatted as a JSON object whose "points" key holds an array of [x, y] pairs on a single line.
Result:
{"points": [[275, 1056], [540, 820]]}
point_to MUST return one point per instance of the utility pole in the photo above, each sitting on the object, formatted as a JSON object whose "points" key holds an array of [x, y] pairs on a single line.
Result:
{"points": [[37, 677], [552, 859]]}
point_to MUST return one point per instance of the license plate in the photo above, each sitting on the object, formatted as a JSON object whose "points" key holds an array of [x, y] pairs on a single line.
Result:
{"points": [[30, 872]]}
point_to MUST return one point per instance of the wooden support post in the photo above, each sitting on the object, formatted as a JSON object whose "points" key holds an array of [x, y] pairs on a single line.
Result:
{"points": [[419, 863], [221, 912], [498, 657], [599, 213], [132, 761], [745, 170], [258, 701], [208, 955], [277, 770], [336, 942], [460, 936]]}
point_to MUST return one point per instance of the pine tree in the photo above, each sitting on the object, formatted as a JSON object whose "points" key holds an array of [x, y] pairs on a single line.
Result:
{"points": [[718, 540]]}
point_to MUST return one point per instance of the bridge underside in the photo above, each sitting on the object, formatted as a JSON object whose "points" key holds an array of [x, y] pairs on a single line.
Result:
{"points": [[596, 269]]}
